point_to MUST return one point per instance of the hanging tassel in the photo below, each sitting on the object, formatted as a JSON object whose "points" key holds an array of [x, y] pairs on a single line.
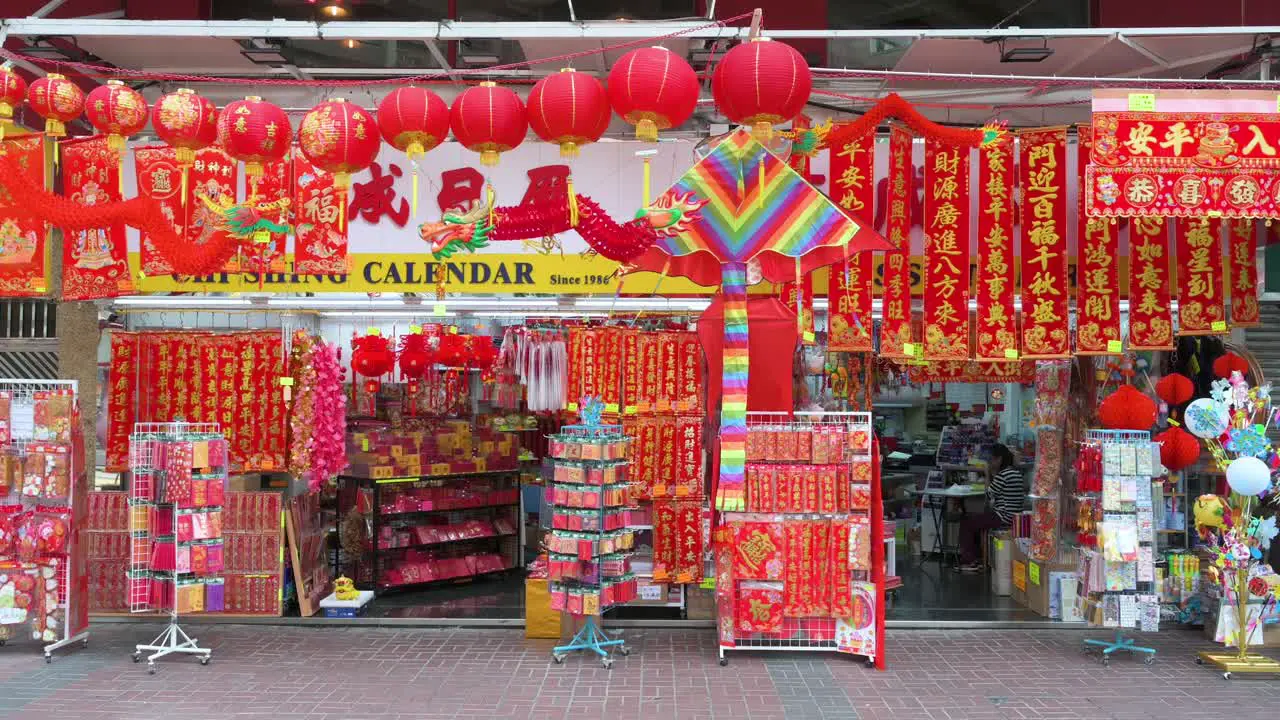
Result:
{"points": [[760, 183], [490, 196], [183, 197], [648, 175], [799, 300], [573, 202], [414, 200], [120, 176]]}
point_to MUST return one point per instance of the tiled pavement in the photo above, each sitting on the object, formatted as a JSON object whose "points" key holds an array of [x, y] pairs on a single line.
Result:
{"points": [[344, 673]]}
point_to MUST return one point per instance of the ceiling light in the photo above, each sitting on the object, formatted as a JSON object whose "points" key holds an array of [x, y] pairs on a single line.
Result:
{"points": [[406, 314], [45, 51], [265, 56], [1024, 54], [480, 59], [334, 9], [351, 43], [185, 302]]}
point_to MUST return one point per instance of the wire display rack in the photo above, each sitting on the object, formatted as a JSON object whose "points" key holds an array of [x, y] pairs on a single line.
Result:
{"points": [[830, 634], [23, 433]]}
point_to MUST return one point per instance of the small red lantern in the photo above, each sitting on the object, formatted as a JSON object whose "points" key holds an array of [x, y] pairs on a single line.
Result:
{"points": [[339, 138], [186, 122], [416, 356], [761, 84], [489, 120], [570, 109], [12, 90], [1178, 448], [117, 110], [1229, 363], [371, 386], [371, 355], [413, 120], [1127, 409], [255, 133], [1175, 389], [653, 89], [57, 100], [453, 350]]}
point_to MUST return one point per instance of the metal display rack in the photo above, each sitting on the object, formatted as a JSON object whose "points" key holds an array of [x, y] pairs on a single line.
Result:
{"points": [[22, 432], [149, 478], [820, 633]]}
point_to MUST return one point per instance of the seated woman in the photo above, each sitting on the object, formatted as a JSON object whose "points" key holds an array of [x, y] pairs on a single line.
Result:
{"points": [[1004, 500]]}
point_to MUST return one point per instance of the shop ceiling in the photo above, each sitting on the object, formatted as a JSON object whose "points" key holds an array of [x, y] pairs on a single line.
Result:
{"points": [[959, 76]]}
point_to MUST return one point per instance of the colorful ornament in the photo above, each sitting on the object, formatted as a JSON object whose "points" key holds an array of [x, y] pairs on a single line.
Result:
{"points": [[57, 100], [653, 89], [1211, 511], [761, 84], [372, 357], [490, 120], [255, 133], [1249, 441], [1178, 448], [416, 355], [570, 109], [117, 110], [413, 120], [1127, 409]]}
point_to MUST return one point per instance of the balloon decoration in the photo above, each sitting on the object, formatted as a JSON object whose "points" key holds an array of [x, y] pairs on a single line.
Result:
{"points": [[57, 100], [1206, 418], [1127, 409], [413, 120], [569, 109], [118, 111], [488, 119], [12, 90], [256, 133], [1175, 389], [1178, 448], [1229, 363], [653, 89], [1248, 476], [761, 84]]}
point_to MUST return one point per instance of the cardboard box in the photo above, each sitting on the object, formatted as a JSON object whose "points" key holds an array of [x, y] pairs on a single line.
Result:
{"points": [[1018, 573], [251, 482], [1033, 579], [1069, 587]]}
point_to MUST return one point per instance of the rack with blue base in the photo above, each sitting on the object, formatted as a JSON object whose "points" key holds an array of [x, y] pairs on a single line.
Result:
{"points": [[592, 638], [1121, 643]]}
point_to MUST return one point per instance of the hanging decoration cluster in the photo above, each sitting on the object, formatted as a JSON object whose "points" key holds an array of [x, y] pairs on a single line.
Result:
{"points": [[1127, 409]]}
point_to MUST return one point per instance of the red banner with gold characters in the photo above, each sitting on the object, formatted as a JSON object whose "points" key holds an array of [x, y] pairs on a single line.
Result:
{"points": [[1150, 317], [852, 172], [320, 236], [213, 176], [1043, 173], [997, 329], [798, 297], [24, 266], [266, 253], [1242, 253], [1097, 275], [95, 262], [121, 386], [973, 371], [1201, 305], [946, 251], [895, 326], [689, 386]]}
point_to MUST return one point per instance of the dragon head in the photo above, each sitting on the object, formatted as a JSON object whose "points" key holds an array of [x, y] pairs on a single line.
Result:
{"points": [[455, 232], [673, 213]]}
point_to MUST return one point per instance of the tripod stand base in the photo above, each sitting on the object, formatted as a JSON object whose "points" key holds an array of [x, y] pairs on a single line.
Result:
{"points": [[1230, 663], [170, 642]]}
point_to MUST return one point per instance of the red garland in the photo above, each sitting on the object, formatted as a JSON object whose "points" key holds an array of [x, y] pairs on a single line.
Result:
{"points": [[620, 242], [141, 213], [893, 106]]}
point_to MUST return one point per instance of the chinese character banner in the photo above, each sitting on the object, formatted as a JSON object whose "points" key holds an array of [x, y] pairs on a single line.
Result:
{"points": [[1201, 305], [1242, 282], [997, 330], [95, 262], [852, 171], [895, 327], [946, 237], [1150, 314], [1097, 275], [23, 251], [1044, 179]]}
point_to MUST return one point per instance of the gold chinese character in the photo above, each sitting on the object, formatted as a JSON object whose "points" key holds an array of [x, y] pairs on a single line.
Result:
{"points": [[851, 177], [1176, 137], [1140, 139], [1140, 190], [1098, 307], [1242, 191], [946, 215], [945, 188], [1258, 141], [1043, 313], [1044, 284]]}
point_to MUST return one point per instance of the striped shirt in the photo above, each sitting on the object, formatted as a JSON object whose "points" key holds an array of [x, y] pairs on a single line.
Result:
{"points": [[1005, 494]]}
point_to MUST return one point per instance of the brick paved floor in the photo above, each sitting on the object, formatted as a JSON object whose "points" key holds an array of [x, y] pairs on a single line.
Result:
{"points": [[352, 673]]}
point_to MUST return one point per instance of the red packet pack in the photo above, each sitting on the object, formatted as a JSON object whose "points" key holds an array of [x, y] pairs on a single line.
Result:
{"points": [[216, 493], [786, 445], [835, 444], [861, 497], [818, 453], [827, 500], [768, 491], [803, 444], [185, 528], [11, 520], [798, 483], [844, 494], [755, 444], [782, 488]]}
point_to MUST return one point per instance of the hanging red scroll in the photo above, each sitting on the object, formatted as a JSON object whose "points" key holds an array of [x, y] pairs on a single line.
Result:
{"points": [[798, 297], [23, 247], [121, 389], [1150, 317], [213, 176], [972, 371], [946, 251], [1097, 274], [1242, 253], [266, 253], [320, 235], [849, 287], [1201, 305], [895, 327], [1043, 174], [95, 262], [997, 329]]}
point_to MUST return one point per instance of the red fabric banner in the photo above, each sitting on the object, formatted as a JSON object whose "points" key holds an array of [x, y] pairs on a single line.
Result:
{"points": [[1097, 273], [852, 172], [1242, 281], [972, 371], [997, 327], [798, 297], [1150, 317], [1201, 305], [95, 262], [1200, 140], [320, 236], [1045, 284], [946, 251], [23, 241], [895, 327], [121, 390], [213, 175], [262, 256], [689, 389]]}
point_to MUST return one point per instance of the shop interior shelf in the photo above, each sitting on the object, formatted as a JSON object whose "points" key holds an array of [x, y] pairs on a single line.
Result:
{"points": [[367, 481], [419, 546], [405, 586], [437, 511]]}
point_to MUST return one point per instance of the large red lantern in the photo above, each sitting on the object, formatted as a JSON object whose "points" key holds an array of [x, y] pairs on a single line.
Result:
{"points": [[1229, 363], [1178, 448], [372, 357], [12, 90], [413, 120], [488, 119], [186, 122], [57, 100], [255, 133], [761, 84], [653, 89], [1127, 409], [1175, 389], [570, 109], [339, 138], [117, 110], [416, 355]]}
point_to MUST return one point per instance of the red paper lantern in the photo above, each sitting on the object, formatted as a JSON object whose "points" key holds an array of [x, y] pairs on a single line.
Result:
{"points": [[761, 84], [255, 133], [489, 120], [570, 109], [481, 351], [116, 110], [653, 89], [416, 356], [1175, 389], [339, 138], [1127, 409], [186, 122], [371, 355], [1178, 448], [413, 120], [57, 100], [12, 90], [1229, 363]]}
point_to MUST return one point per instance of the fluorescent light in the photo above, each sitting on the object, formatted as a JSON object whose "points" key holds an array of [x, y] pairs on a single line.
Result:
{"points": [[422, 315], [169, 302], [535, 314], [629, 303], [265, 56], [394, 303]]}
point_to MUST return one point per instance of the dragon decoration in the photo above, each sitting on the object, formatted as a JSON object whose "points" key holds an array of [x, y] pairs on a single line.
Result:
{"points": [[247, 220], [668, 216]]}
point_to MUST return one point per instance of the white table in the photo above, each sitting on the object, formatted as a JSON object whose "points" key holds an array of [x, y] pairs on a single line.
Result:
{"points": [[938, 511]]}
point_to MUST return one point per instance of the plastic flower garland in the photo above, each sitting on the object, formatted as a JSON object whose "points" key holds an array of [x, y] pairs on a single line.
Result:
{"points": [[328, 444]]}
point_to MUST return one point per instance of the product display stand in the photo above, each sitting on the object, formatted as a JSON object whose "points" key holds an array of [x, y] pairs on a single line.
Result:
{"points": [[164, 460], [1118, 580], [590, 540]]}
